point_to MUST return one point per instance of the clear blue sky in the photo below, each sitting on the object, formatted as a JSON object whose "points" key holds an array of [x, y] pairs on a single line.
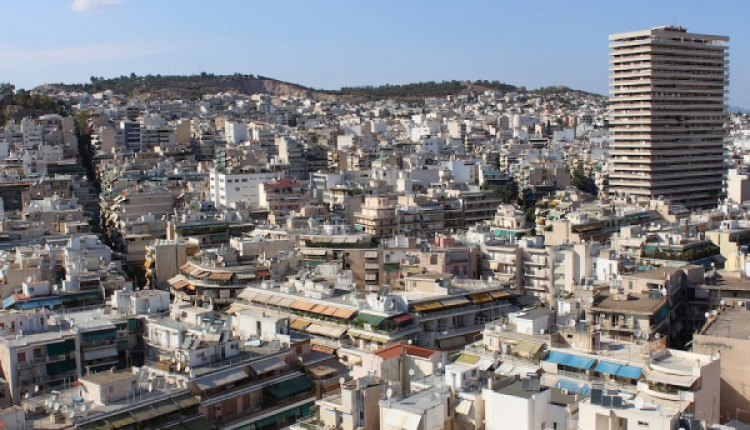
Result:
{"points": [[329, 44]]}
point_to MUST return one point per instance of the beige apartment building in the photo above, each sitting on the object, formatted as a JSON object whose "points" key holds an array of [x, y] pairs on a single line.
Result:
{"points": [[667, 109]]}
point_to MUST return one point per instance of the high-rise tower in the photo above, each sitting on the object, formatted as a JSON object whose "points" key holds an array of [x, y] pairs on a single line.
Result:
{"points": [[667, 115]]}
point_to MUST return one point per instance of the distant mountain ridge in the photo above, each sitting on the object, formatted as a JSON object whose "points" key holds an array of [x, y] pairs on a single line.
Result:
{"points": [[195, 86]]}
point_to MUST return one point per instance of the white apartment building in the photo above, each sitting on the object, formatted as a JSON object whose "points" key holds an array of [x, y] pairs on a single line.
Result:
{"points": [[226, 188]]}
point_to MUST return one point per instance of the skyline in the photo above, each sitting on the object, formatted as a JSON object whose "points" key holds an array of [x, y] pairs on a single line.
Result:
{"points": [[345, 44]]}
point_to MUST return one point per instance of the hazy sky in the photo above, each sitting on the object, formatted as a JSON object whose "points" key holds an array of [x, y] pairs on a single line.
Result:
{"points": [[329, 44]]}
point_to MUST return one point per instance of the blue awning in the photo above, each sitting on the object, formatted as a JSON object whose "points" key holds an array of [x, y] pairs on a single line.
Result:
{"points": [[632, 372], [607, 367], [570, 360], [574, 387]]}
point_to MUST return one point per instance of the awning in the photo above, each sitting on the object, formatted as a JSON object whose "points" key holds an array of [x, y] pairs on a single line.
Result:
{"points": [[464, 407], [402, 318], [308, 251], [220, 378], [300, 305], [200, 423], [685, 381], [145, 414], [373, 320], [97, 354], [267, 365], [285, 302], [527, 348], [452, 342], [569, 360], [632, 372], [186, 401], [329, 311], [403, 420], [607, 367], [220, 276], [291, 387], [344, 313], [499, 294], [298, 324], [480, 297], [511, 369], [455, 301], [236, 307], [121, 420], [427, 306], [248, 295], [262, 298], [263, 273], [573, 387], [166, 407], [318, 309]]}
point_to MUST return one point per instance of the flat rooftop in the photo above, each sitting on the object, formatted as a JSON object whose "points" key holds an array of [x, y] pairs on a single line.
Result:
{"points": [[636, 303], [731, 323]]}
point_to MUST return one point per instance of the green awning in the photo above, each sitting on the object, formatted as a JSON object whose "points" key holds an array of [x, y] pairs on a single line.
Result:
{"points": [[121, 420], [373, 320], [392, 267], [61, 347], [99, 335], [200, 423], [291, 387]]}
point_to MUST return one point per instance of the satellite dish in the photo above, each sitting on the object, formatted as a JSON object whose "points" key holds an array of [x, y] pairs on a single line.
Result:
{"points": [[590, 300], [657, 336], [389, 393], [541, 331], [187, 369], [65, 409], [707, 314], [411, 372], [29, 279], [714, 312], [27, 395], [82, 408], [70, 414], [150, 387], [56, 406], [637, 333], [36, 388], [409, 342], [638, 402], [342, 380], [645, 335]]}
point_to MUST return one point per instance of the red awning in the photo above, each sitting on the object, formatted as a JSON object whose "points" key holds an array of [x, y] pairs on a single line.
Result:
{"points": [[262, 273], [402, 318]]}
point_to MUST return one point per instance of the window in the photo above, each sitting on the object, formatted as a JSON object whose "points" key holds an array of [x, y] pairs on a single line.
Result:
{"points": [[21, 357], [643, 423]]}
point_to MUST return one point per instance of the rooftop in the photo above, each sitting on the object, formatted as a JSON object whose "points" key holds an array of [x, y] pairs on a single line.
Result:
{"points": [[730, 323]]}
